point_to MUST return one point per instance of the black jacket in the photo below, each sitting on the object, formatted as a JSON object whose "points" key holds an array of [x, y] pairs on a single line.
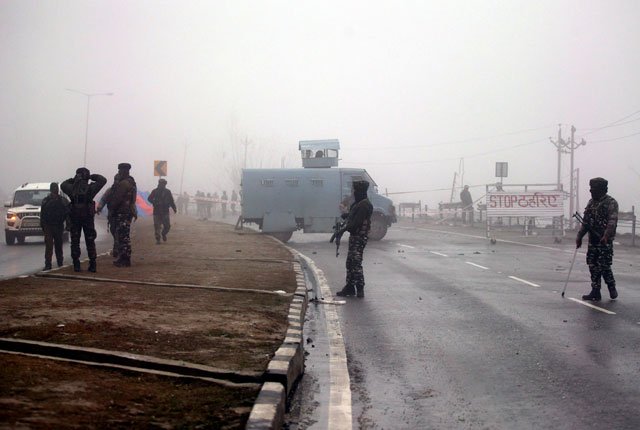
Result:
{"points": [[54, 210], [162, 200], [82, 192]]}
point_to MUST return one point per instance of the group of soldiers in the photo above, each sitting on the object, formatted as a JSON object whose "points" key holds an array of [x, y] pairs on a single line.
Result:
{"points": [[77, 209], [600, 222], [207, 203]]}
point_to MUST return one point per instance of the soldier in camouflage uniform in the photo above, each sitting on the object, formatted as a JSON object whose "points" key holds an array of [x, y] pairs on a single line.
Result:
{"points": [[358, 224], [82, 212], [123, 204], [111, 216], [600, 221]]}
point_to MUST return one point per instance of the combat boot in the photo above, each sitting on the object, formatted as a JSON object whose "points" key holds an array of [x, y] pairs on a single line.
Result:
{"points": [[60, 263], [92, 266], [76, 266], [594, 295], [122, 262], [360, 292], [613, 293], [347, 291], [164, 237], [47, 266]]}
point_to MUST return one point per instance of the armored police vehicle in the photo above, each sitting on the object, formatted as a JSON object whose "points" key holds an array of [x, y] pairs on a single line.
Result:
{"points": [[311, 198]]}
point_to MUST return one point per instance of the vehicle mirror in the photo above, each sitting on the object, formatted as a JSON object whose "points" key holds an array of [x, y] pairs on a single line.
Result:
{"points": [[7, 204]]}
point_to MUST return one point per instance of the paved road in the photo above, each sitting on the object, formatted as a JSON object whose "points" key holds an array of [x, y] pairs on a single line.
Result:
{"points": [[17, 260], [457, 333]]}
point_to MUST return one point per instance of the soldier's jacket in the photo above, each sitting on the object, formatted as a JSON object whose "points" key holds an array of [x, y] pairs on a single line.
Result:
{"points": [[162, 200], [359, 218], [600, 217], [123, 197], [54, 210], [81, 193]]}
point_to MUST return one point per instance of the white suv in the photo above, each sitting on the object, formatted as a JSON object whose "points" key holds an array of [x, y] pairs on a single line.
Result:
{"points": [[23, 215]]}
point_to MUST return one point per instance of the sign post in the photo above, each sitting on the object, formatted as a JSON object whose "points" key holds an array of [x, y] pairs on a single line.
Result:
{"points": [[160, 168], [502, 170]]}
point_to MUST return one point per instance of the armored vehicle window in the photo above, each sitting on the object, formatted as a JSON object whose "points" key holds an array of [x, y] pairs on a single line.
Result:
{"points": [[317, 182], [267, 182], [291, 182]]}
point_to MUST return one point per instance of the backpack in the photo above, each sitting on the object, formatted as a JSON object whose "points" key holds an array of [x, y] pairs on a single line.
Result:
{"points": [[81, 201]]}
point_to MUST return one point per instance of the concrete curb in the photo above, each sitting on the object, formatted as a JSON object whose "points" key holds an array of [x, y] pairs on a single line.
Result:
{"points": [[103, 356], [287, 365]]}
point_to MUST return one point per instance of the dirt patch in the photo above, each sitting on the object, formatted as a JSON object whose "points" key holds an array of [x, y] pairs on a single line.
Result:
{"points": [[230, 330], [38, 393]]}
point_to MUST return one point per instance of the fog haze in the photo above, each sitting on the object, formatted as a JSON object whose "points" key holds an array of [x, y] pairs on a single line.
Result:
{"points": [[408, 87]]}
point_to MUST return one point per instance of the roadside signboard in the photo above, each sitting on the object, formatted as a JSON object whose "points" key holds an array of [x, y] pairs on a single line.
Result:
{"points": [[502, 169], [525, 203], [159, 168]]}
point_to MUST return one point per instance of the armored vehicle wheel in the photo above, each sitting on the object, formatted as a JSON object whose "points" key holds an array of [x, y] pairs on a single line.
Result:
{"points": [[378, 226], [282, 236], [20, 239], [9, 237]]}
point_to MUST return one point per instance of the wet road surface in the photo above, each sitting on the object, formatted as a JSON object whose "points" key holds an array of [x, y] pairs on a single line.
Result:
{"points": [[17, 260], [457, 333]]}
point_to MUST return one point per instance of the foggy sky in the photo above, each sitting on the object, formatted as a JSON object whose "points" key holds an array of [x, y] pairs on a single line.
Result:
{"points": [[408, 87]]}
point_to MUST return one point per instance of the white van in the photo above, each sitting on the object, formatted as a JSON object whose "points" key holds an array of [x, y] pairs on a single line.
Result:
{"points": [[23, 215]]}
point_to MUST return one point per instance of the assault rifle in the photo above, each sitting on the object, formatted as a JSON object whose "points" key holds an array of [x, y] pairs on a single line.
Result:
{"points": [[581, 220], [337, 234]]}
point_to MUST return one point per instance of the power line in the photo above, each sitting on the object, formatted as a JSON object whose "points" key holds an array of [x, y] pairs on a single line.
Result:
{"points": [[615, 123], [615, 138]]}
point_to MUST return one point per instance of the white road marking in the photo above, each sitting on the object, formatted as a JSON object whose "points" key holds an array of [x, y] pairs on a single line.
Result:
{"points": [[523, 281], [582, 302], [407, 246], [439, 253], [477, 265], [340, 414]]}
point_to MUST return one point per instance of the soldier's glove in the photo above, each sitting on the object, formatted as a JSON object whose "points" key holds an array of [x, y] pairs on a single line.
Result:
{"points": [[344, 215]]}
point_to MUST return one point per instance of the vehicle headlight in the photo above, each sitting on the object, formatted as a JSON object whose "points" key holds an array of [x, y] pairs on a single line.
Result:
{"points": [[12, 217]]}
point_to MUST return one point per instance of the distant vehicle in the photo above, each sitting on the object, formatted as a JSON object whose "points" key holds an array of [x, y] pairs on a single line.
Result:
{"points": [[23, 215], [281, 201]]}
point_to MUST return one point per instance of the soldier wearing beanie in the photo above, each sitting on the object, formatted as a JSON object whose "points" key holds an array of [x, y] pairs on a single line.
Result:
{"points": [[122, 204], [600, 221], [81, 190], [161, 199], [53, 213], [358, 224]]}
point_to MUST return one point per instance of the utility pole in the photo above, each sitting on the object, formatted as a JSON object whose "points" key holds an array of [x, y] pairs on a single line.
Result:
{"points": [[559, 144], [572, 189], [184, 158], [246, 144]]}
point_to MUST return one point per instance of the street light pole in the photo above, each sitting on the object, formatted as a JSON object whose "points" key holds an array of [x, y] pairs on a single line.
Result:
{"points": [[86, 130]]}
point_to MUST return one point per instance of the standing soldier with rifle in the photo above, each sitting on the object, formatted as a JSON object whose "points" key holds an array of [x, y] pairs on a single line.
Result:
{"points": [[358, 224], [111, 216], [123, 204], [600, 221]]}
